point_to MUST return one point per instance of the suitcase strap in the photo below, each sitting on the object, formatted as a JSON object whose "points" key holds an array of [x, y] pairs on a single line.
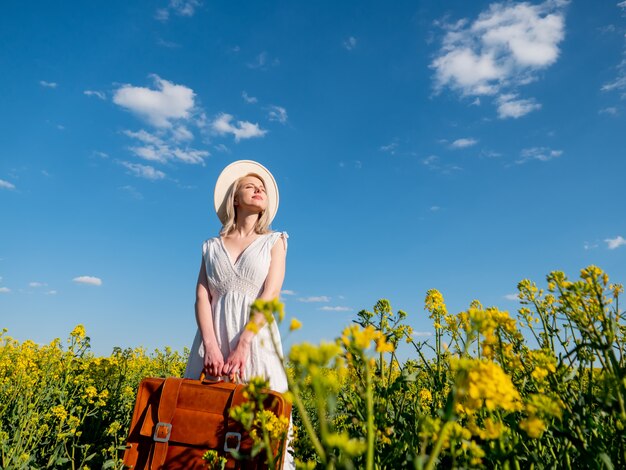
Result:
{"points": [[233, 437], [163, 429]]}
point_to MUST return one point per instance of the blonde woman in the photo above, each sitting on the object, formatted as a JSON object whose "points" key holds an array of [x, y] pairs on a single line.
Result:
{"points": [[244, 263]]}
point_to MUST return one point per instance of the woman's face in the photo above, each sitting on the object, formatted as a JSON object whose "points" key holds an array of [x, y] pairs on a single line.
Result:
{"points": [[251, 194]]}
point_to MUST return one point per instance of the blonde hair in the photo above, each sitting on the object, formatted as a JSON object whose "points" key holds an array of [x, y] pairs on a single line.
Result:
{"points": [[262, 224]]}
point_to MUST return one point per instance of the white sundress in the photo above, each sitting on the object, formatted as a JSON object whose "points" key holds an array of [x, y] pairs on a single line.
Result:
{"points": [[234, 285]]}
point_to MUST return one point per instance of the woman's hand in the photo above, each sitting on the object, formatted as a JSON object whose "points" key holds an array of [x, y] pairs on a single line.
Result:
{"points": [[234, 365], [213, 360]]}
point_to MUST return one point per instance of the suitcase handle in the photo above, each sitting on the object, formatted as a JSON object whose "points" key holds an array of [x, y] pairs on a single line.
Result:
{"points": [[222, 378]]}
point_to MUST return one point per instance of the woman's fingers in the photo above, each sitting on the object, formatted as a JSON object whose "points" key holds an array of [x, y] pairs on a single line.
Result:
{"points": [[232, 368], [214, 368]]}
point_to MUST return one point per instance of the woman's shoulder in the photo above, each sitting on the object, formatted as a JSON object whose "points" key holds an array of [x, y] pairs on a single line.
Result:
{"points": [[206, 244], [275, 234], [208, 241]]}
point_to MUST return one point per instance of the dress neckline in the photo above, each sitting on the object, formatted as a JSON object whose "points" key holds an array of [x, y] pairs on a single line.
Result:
{"points": [[234, 263]]}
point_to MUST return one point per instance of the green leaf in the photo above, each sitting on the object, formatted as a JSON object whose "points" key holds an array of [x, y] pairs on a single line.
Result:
{"points": [[606, 460]]}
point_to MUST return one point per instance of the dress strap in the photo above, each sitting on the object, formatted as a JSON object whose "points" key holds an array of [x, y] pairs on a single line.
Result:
{"points": [[276, 235]]}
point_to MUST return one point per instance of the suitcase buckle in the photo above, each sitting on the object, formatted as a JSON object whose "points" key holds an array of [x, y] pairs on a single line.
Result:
{"points": [[227, 447], [156, 436]]}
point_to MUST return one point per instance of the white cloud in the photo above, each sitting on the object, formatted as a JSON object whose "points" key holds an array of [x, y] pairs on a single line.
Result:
{"points": [[51, 292], [144, 171], [168, 44], [6, 185], [490, 153], [512, 297], [4, 290], [335, 309], [45, 84], [190, 155], [287, 292], [179, 7], [98, 94], [463, 143], [37, 284], [243, 130], [262, 61], [278, 113], [144, 136], [434, 208], [510, 107], [590, 246], [132, 191], [149, 153], [90, 280], [319, 298], [430, 160], [611, 110], [613, 243], [355, 163], [503, 48], [391, 148], [418, 334], [349, 43], [181, 134], [162, 14], [161, 106], [156, 149], [619, 83], [221, 148], [248, 99], [542, 154]]}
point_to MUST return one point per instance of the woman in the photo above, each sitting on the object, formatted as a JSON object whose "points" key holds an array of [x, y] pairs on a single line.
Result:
{"points": [[244, 263]]}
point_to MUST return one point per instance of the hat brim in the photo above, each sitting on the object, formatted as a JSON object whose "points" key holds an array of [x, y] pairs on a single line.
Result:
{"points": [[236, 170]]}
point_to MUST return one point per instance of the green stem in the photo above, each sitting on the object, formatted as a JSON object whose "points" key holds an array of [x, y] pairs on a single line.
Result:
{"points": [[370, 418], [306, 420], [437, 449], [268, 447]]}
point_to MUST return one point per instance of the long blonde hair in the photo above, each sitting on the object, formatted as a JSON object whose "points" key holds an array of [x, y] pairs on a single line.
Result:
{"points": [[262, 224]]}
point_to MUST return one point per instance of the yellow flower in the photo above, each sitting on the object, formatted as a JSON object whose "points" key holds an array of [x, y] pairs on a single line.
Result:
{"points": [[484, 383], [78, 332], [275, 427], [434, 304], [113, 428], [342, 441], [59, 411], [253, 327], [533, 426], [382, 346], [73, 422], [425, 396], [295, 324], [544, 362], [90, 393], [491, 429]]}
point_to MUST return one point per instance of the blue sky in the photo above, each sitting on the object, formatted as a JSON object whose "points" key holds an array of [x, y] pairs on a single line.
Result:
{"points": [[455, 145]]}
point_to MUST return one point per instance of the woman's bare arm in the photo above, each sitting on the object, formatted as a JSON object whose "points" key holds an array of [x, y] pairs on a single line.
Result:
{"points": [[213, 359]]}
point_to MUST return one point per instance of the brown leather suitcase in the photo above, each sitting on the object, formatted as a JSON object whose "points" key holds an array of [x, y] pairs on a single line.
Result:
{"points": [[176, 421]]}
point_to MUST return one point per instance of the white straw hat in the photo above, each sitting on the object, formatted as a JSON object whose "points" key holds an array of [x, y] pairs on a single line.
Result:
{"points": [[236, 170]]}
